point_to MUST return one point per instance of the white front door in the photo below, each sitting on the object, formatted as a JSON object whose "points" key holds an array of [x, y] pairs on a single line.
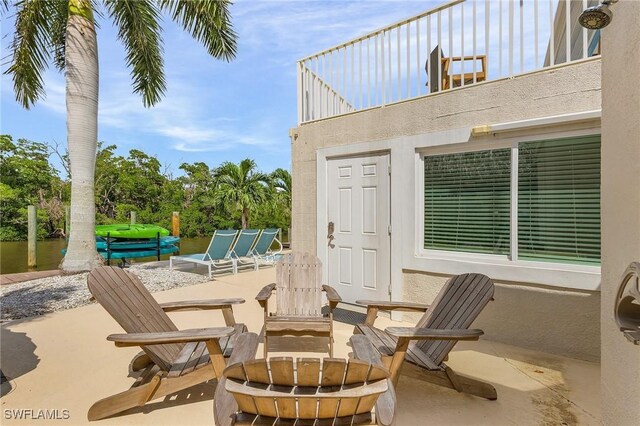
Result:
{"points": [[358, 227]]}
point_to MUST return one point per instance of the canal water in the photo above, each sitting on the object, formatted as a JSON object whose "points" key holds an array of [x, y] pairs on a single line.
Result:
{"points": [[13, 254]]}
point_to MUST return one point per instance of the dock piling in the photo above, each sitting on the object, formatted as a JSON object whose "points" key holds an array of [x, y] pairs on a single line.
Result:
{"points": [[175, 224], [32, 237]]}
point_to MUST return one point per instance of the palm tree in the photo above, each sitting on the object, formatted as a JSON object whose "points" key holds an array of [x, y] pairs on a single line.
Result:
{"points": [[241, 187], [64, 32], [281, 180]]}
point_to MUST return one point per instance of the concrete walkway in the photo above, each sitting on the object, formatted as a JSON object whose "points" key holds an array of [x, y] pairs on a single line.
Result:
{"points": [[62, 361]]}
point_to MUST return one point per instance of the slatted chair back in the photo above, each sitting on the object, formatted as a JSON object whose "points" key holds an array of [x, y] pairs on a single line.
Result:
{"points": [[299, 285], [307, 389], [266, 238], [457, 305], [220, 244], [129, 302], [245, 242]]}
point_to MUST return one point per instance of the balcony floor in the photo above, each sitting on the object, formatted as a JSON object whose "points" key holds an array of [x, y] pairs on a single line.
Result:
{"points": [[62, 361]]}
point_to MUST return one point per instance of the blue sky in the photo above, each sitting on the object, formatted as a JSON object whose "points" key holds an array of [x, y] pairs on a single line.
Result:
{"points": [[213, 111]]}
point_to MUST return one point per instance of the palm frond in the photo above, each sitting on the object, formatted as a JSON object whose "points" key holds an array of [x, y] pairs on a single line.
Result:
{"points": [[30, 49], [139, 30], [282, 180], [208, 21], [4, 6], [58, 30]]}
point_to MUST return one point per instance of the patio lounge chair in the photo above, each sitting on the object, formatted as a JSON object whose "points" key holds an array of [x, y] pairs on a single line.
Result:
{"points": [[298, 300], [241, 251], [445, 322], [218, 254], [171, 360], [261, 252], [308, 391]]}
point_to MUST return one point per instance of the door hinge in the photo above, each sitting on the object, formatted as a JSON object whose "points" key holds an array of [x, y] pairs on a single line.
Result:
{"points": [[389, 169], [389, 229]]}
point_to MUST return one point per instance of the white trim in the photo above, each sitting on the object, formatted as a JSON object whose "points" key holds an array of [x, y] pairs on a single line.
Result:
{"points": [[500, 268], [510, 268], [407, 210], [574, 117], [399, 182]]}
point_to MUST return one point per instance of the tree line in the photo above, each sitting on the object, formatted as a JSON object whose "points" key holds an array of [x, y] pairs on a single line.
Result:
{"points": [[227, 196]]}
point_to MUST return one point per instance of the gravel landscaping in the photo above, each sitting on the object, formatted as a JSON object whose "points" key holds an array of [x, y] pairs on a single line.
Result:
{"points": [[45, 295]]}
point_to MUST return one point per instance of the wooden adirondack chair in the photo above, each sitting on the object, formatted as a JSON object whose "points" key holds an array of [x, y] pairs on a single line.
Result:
{"points": [[444, 323], [171, 360], [282, 391], [299, 300]]}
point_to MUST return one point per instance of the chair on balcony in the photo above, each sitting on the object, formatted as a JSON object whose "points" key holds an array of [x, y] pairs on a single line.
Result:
{"points": [[218, 254], [307, 391], [448, 79], [171, 360], [299, 290], [444, 323]]}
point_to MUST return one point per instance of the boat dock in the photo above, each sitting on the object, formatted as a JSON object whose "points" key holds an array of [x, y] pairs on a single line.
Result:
{"points": [[19, 277]]}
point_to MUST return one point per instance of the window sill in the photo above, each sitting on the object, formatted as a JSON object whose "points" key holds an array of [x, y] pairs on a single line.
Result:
{"points": [[500, 268]]}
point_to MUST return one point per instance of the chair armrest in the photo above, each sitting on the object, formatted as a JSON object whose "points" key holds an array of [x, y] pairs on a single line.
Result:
{"points": [[374, 306], [182, 336], [393, 306], [364, 350], [414, 333], [465, 58], [332, 295], [196, 305], [265, 293]]}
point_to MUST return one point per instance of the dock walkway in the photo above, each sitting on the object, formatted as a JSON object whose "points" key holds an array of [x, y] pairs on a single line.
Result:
{"points": [[19, 277]]}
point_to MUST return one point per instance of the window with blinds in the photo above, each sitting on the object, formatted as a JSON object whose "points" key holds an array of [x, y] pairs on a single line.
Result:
{"points": [[467, 201], [559, 200]]}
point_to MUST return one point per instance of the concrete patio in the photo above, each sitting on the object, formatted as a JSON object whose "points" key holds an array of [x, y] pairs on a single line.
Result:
{"points": [[62, 361]]}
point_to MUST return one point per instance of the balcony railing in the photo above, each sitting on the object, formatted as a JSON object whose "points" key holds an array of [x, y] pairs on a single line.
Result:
{"points": [[460, 43]]}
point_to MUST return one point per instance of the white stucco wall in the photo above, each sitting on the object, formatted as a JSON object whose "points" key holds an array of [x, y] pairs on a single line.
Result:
{"points": [[620, 205], [522, 298]]}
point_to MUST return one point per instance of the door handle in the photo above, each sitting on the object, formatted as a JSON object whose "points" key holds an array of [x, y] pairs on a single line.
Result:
{"points": [[330, 237]]}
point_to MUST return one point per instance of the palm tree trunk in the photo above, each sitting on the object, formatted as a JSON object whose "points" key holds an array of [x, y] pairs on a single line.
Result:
{"points": [[81, 51], [245, 217]]}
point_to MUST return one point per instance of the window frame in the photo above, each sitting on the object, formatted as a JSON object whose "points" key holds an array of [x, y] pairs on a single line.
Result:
{"points": [[444, 260]]}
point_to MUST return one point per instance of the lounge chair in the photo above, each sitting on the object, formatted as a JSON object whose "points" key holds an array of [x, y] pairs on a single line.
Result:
{"points": [[218, 254], [241, 251], [171, 360], [445, 322], [298, 300], [262, 252], [308, 391]]}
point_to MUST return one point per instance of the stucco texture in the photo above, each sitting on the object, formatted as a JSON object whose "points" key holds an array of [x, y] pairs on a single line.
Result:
{"points": [[562, 90], [620, 205], [562, 321], [554, 320]]}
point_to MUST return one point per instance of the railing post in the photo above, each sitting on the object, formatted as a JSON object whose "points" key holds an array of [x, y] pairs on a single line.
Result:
{"points": [[133, 217], [32, 236], [300, 94], [175, 224]]}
